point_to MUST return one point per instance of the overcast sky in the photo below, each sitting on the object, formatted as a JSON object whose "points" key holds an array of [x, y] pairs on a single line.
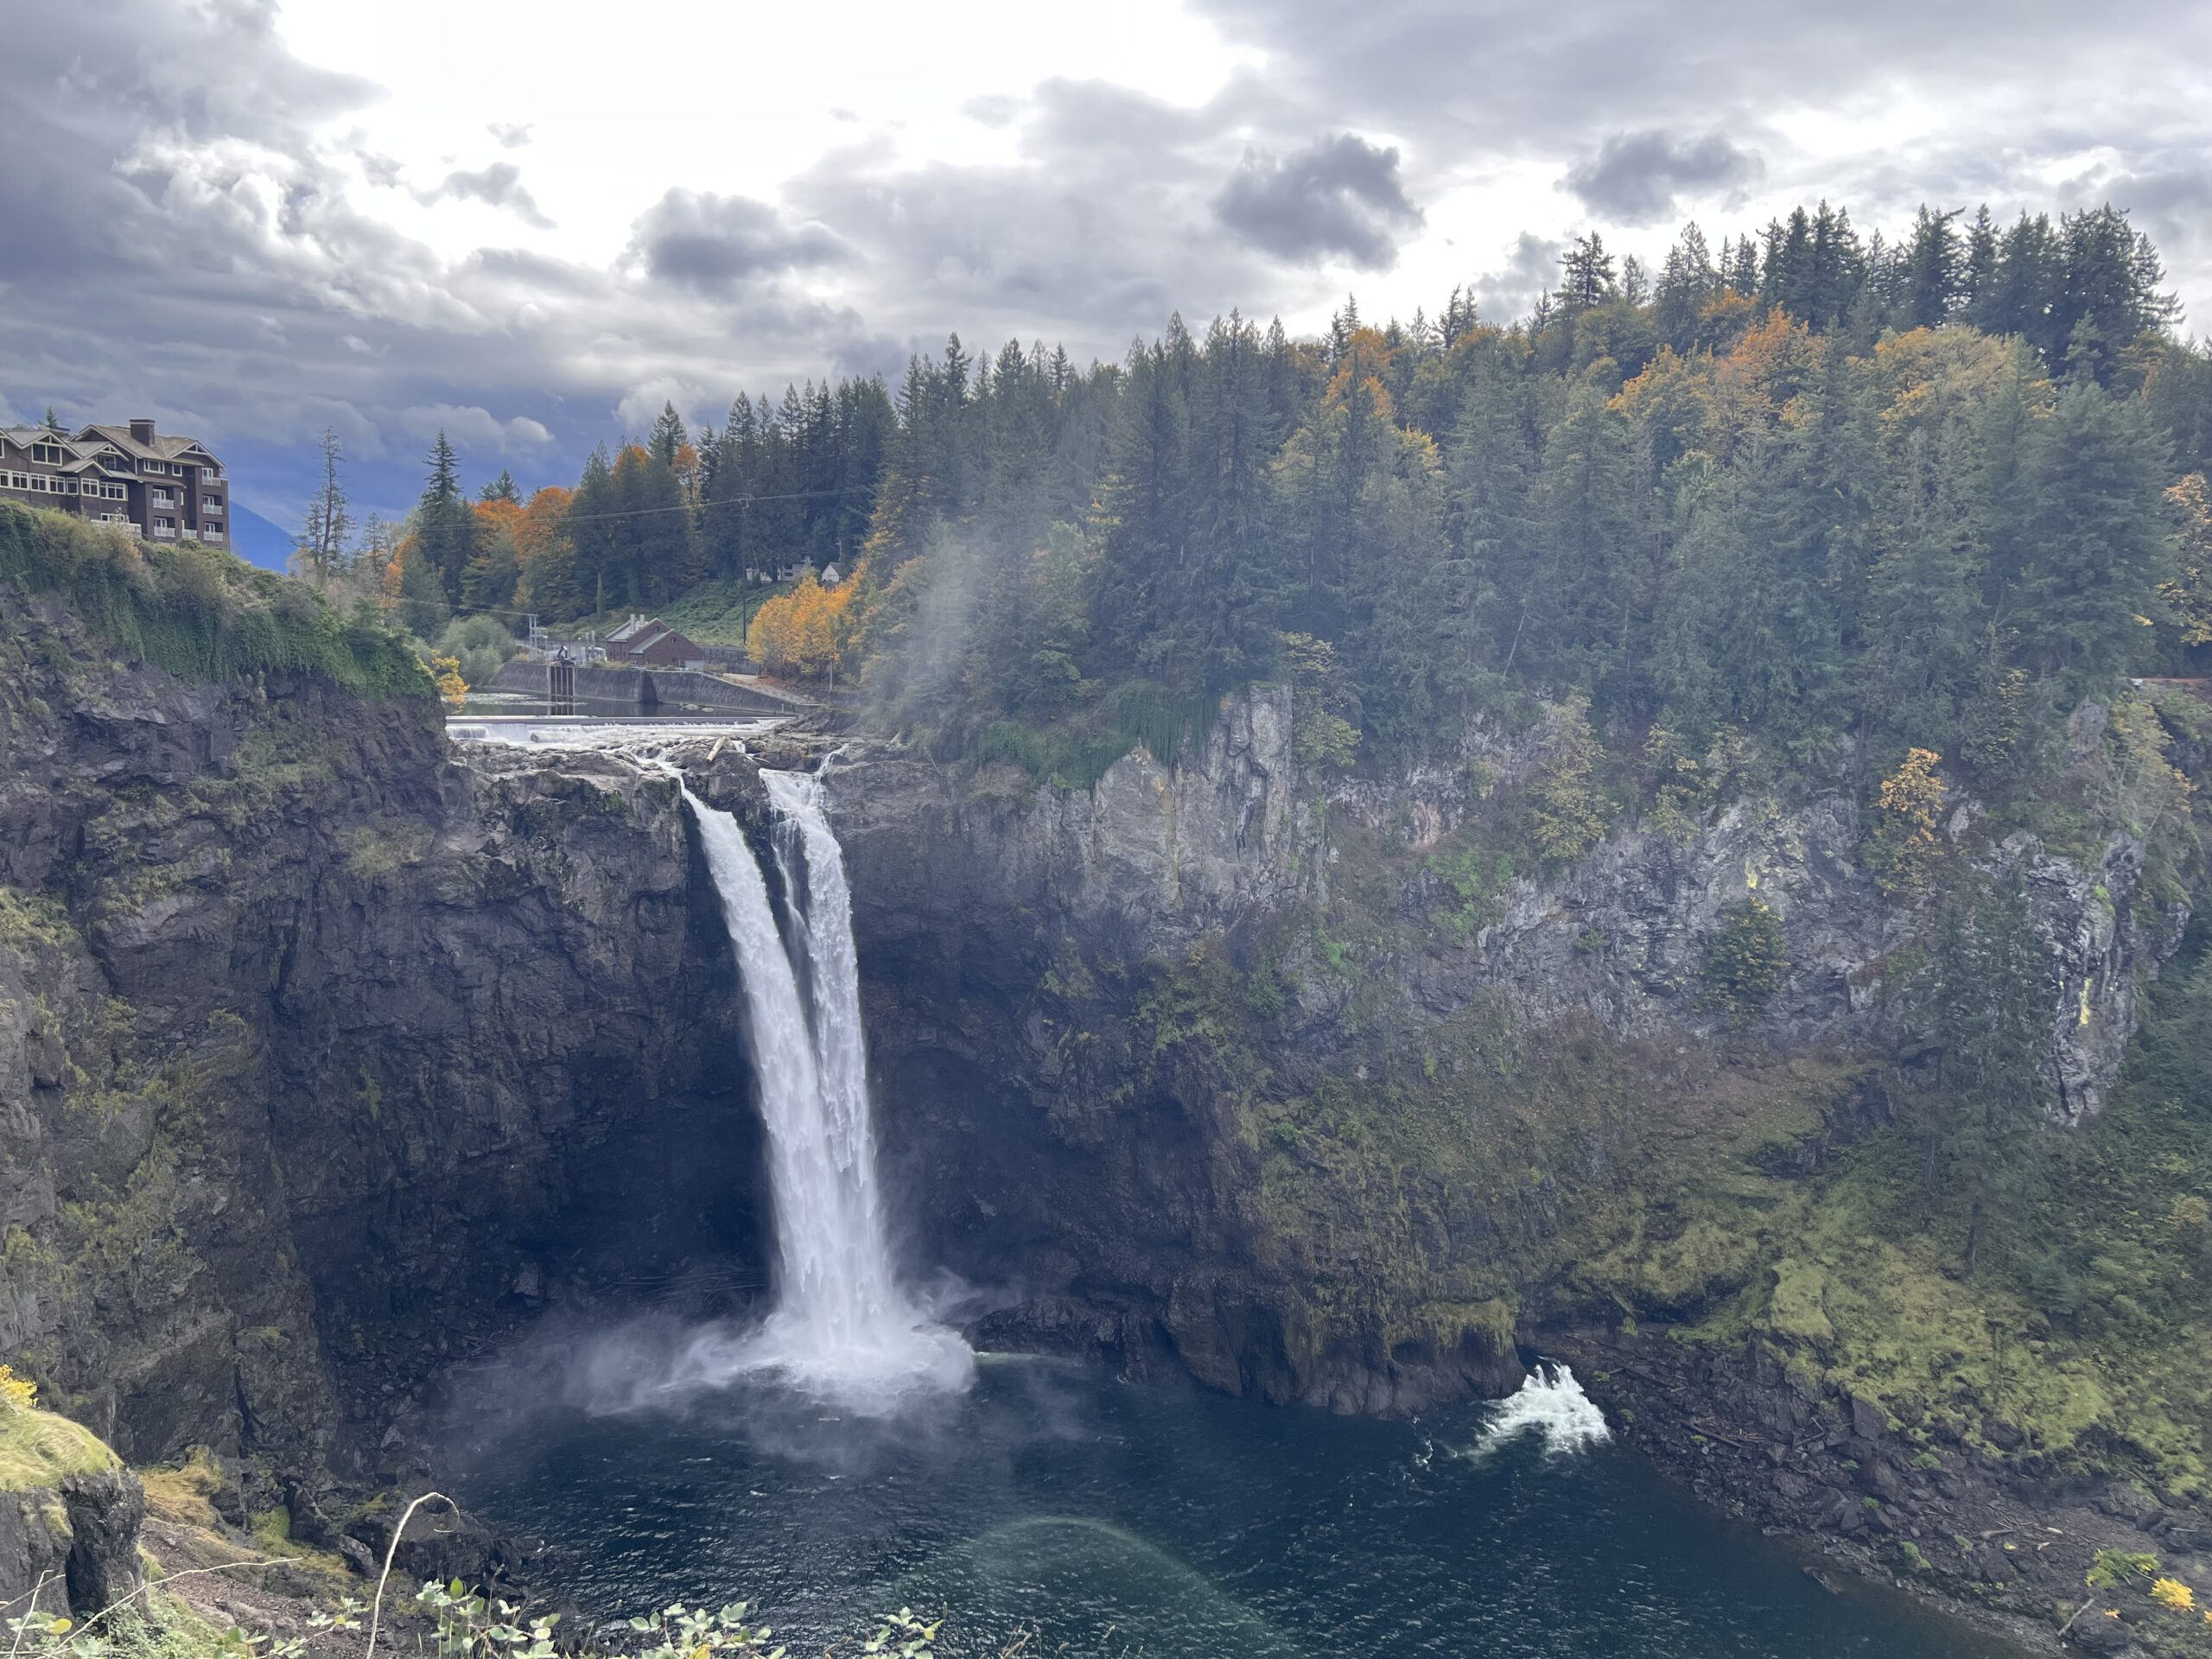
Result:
{"points": [[530, 225]]}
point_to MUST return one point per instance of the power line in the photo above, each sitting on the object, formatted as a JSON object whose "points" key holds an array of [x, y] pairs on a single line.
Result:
{"points": [[727, 501]]}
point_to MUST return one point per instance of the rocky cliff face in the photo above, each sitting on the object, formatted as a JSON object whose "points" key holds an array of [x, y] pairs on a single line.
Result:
{"points": [[323, 1051], [1300, 1085], [327, 1050], [69, 1516]]}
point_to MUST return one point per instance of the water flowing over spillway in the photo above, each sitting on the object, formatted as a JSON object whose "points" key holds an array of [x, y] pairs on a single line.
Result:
{"points": [[843, 1328]]}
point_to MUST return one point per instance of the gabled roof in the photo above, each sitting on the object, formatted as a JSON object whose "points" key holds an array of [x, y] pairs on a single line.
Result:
{"points": [[652, 632], [163, 447], [27, 435], [634, 627]]}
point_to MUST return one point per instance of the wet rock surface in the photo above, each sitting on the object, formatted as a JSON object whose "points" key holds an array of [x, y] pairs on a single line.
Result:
{"points": [[2003, 1534]]}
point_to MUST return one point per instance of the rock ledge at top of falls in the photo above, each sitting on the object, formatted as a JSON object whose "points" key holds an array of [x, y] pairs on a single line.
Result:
{"points": [[1151, 852]]}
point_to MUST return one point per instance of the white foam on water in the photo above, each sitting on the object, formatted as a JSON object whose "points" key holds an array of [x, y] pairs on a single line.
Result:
{"points": [[1550, 1404]]}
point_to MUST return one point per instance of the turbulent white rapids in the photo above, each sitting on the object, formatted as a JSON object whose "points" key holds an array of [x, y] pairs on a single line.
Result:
{"points": [[843, 1328], [1550, 1402]]}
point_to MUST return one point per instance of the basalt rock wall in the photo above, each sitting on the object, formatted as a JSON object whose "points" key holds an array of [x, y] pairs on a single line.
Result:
{"points": [[327, 1051], [1209, 1066]]}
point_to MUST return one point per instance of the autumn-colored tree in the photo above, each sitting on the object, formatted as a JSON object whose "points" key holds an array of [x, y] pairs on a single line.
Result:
{"points": [[2189, 589], [1569, 812], [546, 556], [806, 633], [1906, 848], [446, 672], [2136, 784]]}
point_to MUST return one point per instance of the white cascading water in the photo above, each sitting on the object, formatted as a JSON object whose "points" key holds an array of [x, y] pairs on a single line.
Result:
{"points": [[843, 1328], [1550, 1404]]}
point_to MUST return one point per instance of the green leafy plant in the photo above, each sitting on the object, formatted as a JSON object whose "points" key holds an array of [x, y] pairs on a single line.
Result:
{"points": [[1746, 958]]}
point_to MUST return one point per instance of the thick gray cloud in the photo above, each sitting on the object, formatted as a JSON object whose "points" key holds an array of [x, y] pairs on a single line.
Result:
{"points": [[1338, 196], [187, 230], [1639, 178], [713, 244], [1102, 228], [1531, 268], [499, 185], [191, 234]]}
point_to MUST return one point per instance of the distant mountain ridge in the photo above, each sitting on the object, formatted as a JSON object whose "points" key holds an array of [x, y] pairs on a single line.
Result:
{"points": [[259, 541]]}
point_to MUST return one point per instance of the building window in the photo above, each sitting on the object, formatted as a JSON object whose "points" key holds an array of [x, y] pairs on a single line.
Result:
{"points": [[211, 504], [51, 453]]}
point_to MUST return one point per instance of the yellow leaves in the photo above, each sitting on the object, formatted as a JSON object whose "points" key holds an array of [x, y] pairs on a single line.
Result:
{"points": [[2174, 1594], [1906, 845], [2135, 782], [1569, 812], [446, 670], [1929, 377], [2189, 592], [17, 1391], [807, 632]]}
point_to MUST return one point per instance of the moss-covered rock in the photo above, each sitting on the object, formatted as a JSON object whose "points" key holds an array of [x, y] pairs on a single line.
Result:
{"points": [[69, 1514]]}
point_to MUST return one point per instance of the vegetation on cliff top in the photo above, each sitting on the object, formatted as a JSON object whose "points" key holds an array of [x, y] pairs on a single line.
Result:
{"points": [[38, 1448], [198, 611]]}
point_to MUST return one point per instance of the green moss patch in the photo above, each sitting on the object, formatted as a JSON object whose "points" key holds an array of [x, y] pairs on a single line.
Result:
{"points": [[39, 1449], [201, 613]]}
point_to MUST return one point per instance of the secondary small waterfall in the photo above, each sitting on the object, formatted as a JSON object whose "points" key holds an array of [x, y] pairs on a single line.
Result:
{"points": [[842, 1327]]}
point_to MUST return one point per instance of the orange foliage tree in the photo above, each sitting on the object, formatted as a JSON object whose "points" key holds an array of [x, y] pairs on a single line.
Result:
{"points": [[546, 556], [806, 633]]}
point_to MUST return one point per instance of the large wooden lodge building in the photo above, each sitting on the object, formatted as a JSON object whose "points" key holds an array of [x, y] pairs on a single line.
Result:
{"points": [[165, 488]]}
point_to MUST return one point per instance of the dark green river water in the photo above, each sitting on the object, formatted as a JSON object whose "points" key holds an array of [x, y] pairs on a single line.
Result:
{"points": [[1118, 1519]]}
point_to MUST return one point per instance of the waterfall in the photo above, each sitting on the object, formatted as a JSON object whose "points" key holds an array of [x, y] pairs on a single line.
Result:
{"points": [[841, 1328]]}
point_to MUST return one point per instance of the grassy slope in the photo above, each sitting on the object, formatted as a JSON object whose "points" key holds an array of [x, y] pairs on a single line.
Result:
{"points": [[198, 611], [712, 614], [39, 1449]]}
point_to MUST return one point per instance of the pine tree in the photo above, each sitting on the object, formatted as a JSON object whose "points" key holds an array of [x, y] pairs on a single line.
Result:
{"points": [[1583, 606], [2095, 542], [1687, 281], [1935, 269], [1924, 621], [1987, 1002], [1228, 590], [445, 526], [327, 523], [502, 488], [667, 437], [1585, 276]]}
